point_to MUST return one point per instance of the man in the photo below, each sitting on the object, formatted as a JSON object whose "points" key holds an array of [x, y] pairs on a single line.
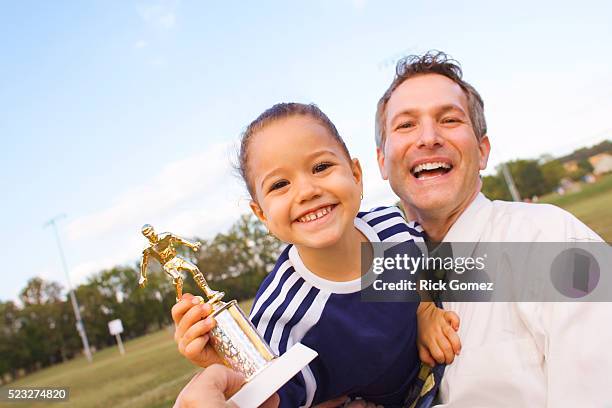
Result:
{"points": [[432, 142]]}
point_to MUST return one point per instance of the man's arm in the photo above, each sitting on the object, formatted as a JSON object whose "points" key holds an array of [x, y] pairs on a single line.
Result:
{"points": [[577, 338]]}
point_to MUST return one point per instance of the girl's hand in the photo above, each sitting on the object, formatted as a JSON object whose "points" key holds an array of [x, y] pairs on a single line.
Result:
{"points": [[438, 341], [192, 326]]}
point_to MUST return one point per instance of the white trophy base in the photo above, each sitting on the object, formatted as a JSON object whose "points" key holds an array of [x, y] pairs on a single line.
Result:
{"points": [[275, 375]]}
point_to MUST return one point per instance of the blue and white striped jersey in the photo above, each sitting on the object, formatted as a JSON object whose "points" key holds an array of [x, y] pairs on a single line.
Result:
{"points": [[366, 349]]}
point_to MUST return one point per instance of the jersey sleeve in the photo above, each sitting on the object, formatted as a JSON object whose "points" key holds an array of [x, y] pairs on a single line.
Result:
{"points": [[267, 315]]}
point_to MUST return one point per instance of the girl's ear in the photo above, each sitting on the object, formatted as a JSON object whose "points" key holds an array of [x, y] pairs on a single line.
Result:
{"points": [[357, 174], [258, 212]]}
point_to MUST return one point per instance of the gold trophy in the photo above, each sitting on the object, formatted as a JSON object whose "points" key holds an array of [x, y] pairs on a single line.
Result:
{"points": [[234, 337]]}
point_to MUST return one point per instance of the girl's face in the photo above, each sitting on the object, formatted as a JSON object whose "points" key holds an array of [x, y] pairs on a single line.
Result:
{"points": [[307, 192]]}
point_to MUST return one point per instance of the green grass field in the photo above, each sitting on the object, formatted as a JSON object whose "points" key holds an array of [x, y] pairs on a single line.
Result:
{"points": [[152, 372], [592, 205]]}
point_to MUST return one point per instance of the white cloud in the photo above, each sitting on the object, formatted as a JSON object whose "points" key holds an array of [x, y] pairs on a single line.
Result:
{"points": [[177, 182], [140, 44], [189, 197], [359, 4], [160, 14]]}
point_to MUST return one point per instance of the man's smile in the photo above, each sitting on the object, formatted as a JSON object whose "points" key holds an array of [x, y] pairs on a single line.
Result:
{"points": [[426, 169]]}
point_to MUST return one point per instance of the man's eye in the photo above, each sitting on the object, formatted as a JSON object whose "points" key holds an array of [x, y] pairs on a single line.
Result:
{"points": [[279, 184], [450, 120], [321, 167], [405, 125]]}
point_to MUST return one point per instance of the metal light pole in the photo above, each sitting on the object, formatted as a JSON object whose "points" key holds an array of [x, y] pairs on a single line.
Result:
{"points": [[75, 306], [510, 182]]}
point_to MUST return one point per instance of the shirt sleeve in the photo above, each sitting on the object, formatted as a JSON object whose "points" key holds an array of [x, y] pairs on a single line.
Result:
{"points": [[575, 338]]}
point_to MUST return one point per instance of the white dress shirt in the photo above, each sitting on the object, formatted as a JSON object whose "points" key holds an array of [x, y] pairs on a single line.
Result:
{"points": [[528, 354]]}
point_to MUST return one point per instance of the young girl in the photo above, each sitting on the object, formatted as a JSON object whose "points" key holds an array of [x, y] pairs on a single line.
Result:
{"points": [[307, 190]]}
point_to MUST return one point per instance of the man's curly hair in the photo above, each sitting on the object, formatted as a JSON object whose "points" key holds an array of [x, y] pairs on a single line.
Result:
{"points": [[432, 62]]}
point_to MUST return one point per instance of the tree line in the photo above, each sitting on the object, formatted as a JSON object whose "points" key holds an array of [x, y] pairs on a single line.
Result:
{"points": [[532, 177], [39, 330]]}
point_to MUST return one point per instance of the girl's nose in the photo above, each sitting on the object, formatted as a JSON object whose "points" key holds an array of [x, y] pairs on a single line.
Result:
{"points": [[307, 190]]}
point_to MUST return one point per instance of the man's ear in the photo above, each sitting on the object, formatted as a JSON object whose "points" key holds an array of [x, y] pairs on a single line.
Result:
{"points": [[380, 158], [484, 146], [258, 212]]}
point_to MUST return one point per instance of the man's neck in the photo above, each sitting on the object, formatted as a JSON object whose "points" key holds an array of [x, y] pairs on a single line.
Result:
{"points": [[438, 222]]}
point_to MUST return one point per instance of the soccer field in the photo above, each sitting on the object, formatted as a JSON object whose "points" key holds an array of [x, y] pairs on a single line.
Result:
{"points": [[592, 205], [152, 372]]}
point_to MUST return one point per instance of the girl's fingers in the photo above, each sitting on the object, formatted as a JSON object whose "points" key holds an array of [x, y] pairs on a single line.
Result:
{"points": [[437, 353], [447, 350], [426, 357], [193, 315], [453, 338], [199, 329], [194, 350], [181, 307], [452, 318]]}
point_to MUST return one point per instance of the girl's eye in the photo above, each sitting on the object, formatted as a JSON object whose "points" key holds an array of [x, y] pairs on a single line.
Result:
{"points": [[321, 167], [279, 184]]}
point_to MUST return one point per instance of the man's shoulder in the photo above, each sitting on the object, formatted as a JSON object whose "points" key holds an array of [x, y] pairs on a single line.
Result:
{"points": [[536, 211], [544, 221]]}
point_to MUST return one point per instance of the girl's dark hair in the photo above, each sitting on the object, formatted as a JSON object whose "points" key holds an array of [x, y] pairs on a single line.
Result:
{"points": [[278, 112]]}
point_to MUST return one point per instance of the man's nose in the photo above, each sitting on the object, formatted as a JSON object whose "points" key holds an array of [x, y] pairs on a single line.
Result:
{"points": [[307, 189], [430, 137]]}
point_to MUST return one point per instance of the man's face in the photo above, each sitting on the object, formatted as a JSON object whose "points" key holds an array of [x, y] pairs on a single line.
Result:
{"points": [[430, 155]]}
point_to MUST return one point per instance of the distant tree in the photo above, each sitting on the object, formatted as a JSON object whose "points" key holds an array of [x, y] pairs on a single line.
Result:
{"points": [[13, 354], [552, 171], [237, 262], [39, 322], [527, 177], [584, 168], [585, 165], [495, 188]]}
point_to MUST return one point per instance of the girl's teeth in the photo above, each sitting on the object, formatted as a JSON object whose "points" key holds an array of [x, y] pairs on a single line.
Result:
{"points": [[311, 217]]}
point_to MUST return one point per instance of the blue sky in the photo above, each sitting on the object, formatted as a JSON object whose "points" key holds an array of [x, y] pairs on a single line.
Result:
{"points": [[118, 113]]}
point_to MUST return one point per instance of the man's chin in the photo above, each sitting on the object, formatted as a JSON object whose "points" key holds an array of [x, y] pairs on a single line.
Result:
{"points": [[430, 200]]}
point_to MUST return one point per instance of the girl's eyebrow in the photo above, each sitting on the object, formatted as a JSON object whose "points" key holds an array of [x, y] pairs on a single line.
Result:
{"points": [[321, 152], [269, 175]]}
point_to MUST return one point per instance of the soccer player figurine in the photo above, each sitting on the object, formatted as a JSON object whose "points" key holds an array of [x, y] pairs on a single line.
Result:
{"points": [[163, 249]]}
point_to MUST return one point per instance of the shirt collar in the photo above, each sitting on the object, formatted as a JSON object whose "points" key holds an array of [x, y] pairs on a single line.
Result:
{"points": [[329, 286], [470, 225]]}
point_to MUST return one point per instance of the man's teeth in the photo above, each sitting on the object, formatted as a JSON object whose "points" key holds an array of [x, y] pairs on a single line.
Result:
{"points": [[430, 166], [315, 214]]}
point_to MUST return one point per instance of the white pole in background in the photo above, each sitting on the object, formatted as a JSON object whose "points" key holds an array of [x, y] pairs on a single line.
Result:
{"points": [[120, 344], [75, 306], [510, 182], [115, 327]]}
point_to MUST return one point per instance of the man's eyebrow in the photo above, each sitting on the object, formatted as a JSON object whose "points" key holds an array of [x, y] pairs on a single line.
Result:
{"points": [[405, 112], [450, 107]]}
